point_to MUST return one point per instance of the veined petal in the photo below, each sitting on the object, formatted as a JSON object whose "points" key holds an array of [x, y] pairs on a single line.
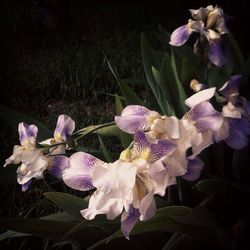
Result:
{"points": [[80, 171], [129, 219], [231, 87], [57, 165], [134, 118], [151, 152], [27, 134], [216, 53], [199, 97], [180, 35], [194, 169], [64, 127]]}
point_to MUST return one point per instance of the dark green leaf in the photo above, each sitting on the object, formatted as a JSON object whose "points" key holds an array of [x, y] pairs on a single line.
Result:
{"points": [[69, 203], [105, 151], [213, 186]]}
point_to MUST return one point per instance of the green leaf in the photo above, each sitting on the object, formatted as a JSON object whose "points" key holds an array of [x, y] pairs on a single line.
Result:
{"points": [[105, 151], [69, 203], [13, 118], [129, 95], [12, 234], [149, 62], [213, 186], [118, 105]]}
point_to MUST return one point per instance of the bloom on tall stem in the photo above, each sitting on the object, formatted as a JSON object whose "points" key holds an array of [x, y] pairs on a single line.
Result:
{"points": [[209, 22]]}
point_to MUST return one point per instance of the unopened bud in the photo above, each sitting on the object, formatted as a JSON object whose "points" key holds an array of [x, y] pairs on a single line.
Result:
{"points": [[196, 86]]}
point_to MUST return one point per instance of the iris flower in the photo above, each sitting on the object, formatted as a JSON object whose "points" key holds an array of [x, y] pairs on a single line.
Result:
{"points": [[209, 22]]}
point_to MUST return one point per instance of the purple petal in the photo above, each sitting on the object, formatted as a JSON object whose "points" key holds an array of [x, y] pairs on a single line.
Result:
{"points": [[193, 170], [129, 219], [64, 127], [206, 117], [134, 118], [231, 86], [180, 36], [26, 185], [58, 164], [239, 130], [79, 173], [153, 151], [216, 53], [27, 132]]}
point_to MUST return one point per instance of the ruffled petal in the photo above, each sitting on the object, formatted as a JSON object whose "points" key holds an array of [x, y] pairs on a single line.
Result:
{"points": [[180, 35], [64, 127], [16, 157], [199, 97]]}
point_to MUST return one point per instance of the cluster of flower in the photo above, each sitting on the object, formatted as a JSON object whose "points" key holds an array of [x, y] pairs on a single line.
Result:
{"points": [[158, 153]]}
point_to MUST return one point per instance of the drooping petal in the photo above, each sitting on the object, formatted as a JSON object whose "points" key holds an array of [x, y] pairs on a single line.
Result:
{"points": [[239, 130], [216, 53], [199, 97], [231, 88], [194, 169], [180, 35], [147, 206], [151, 152], [134, 118], [129, 219], [206, 117], [64, 127], [27, 134], [223, 132], [102, 203], [79, 173], [57, 165]]}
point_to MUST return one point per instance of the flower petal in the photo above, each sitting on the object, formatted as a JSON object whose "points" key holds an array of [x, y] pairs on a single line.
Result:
{"points": [[26, 186], [151, 152], [206, 117], [239, 130], [216, 53], [64, 127], [193, 170], [57, 165], [180, 35], [134, 118], [129, 219], [231, 87], [147, 206], [199, 97], [27, 134], [16, 157], [201, 13], [79, 173]]}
